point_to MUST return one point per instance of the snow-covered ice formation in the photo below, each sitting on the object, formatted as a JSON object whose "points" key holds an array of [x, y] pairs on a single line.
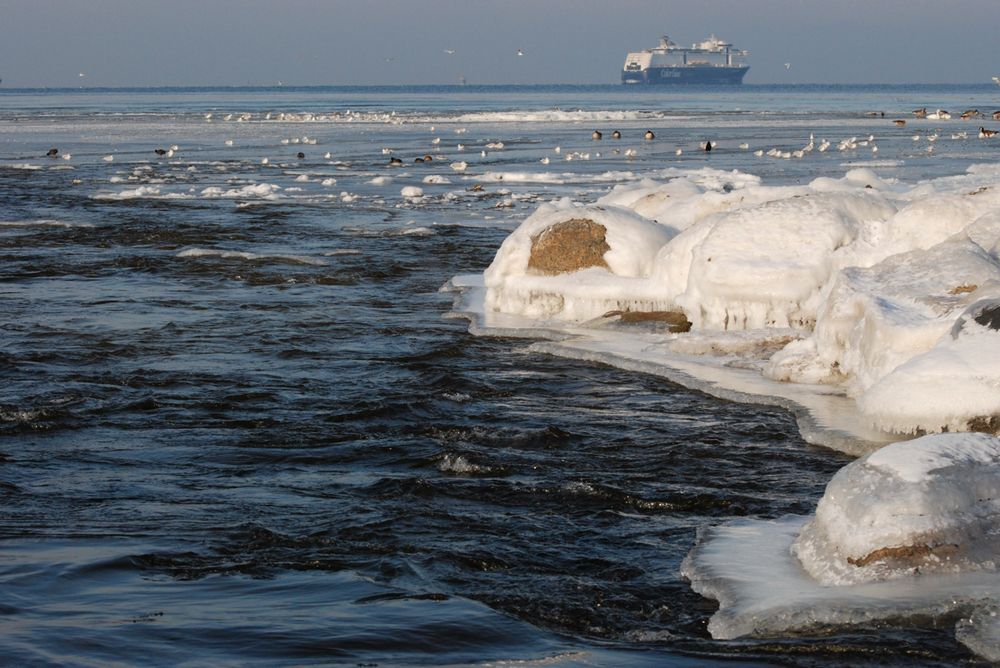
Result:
{"points": [[866, 277]]}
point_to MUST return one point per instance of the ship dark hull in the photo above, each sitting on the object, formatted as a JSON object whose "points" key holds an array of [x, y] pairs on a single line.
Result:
{"points": [[686, 75]]}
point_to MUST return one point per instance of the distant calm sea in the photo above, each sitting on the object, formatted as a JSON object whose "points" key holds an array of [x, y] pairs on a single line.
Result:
{"points": [[236, 429]]}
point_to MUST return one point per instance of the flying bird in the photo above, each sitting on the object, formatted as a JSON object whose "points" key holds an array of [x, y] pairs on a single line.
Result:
{"points": [[450, 52], [520, 52]]}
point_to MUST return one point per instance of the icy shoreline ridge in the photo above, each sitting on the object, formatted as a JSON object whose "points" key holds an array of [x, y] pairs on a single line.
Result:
{"points": [[907, 532], [883, 290]]}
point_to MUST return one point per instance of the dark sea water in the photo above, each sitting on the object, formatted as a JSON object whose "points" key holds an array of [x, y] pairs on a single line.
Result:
{"points": [[237, 429]]}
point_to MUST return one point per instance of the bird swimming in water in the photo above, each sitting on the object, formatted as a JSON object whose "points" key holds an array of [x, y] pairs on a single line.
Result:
{"points": [[160, 151], [395, 162], [900, 122], [984, 133], [616, 135], [649, 134], [921, 112], [300, 155], [52, 152], [708, 146], [596, 134]]}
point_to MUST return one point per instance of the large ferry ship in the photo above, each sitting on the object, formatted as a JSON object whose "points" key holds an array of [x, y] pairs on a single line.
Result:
{"points": [[710, 62]]}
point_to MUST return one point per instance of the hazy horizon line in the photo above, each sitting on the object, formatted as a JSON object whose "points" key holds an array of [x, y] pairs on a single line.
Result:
{"points": [[281, 86]]}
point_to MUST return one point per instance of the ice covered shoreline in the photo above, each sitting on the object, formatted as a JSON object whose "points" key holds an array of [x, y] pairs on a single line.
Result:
{"points": [[868, 307], [866, 287]]}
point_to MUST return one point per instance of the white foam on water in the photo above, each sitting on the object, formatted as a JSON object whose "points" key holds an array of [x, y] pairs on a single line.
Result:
{"points": [[400, 118], [251, 257], [266, 191], [460, 464], [557, 116], [142, 192], [342, 251], [43, 222], [415, 231]]}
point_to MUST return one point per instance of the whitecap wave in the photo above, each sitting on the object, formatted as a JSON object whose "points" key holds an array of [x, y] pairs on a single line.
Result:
{"points": [[43, 222], [268, 191], [252, 257], [142, 192], [508, 116]]}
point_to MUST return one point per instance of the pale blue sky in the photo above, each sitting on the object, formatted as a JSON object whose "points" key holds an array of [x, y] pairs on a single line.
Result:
{"points": [[340, 42]]}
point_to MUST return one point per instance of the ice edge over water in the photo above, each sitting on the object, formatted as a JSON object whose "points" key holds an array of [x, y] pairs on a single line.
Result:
{"points": [[825, 416]]}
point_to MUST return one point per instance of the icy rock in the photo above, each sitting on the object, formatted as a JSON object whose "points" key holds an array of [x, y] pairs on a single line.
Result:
{"points": [[675, 321], [930, 505], [576, 263]]}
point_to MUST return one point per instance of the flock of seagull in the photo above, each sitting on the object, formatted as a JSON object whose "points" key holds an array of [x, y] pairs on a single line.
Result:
{"points": [[848, 144]]}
